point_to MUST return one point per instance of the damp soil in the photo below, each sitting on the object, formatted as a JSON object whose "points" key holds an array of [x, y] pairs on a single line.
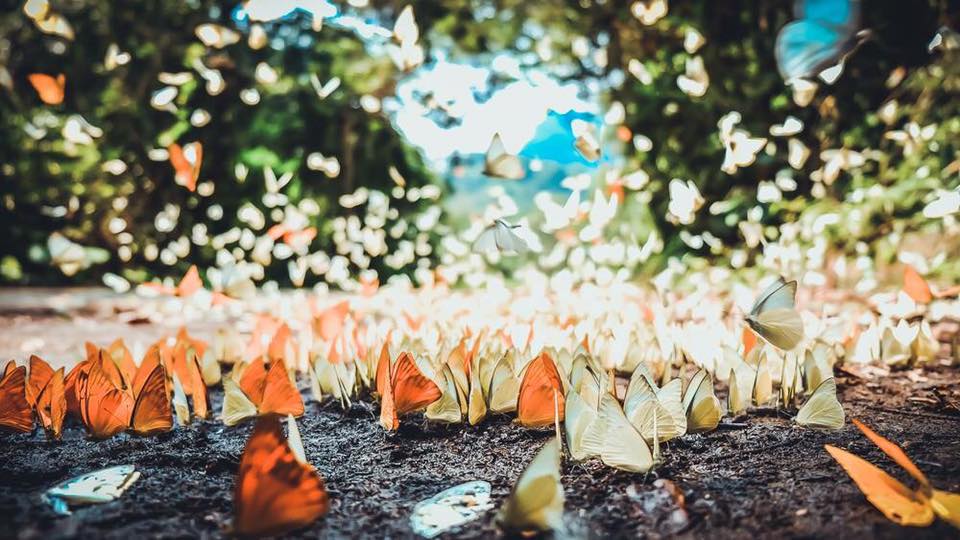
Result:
{"points": [[758, 476]]}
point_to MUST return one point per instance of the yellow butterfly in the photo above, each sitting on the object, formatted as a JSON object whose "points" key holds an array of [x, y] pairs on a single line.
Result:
{"points": [[823, 409]]}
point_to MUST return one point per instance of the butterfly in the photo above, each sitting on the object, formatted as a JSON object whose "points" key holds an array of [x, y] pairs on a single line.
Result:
{"points": [[536, 500], [49, 88], [403, 388], [541, 397], [259, 391], [500, 237], [820, 38], [499, 163], [189, 284], [774, 318], [898, 503], [650, 408], [186, 162], [15, 411], [823, 409], [276, 490], [919, 290], [701, 404], [586, 141], [109, 405], [617, 441], [45, 393]]}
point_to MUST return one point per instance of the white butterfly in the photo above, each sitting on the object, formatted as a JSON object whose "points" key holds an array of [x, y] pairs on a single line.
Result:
{"points": [[685, 200], [791, 126], [95, 487], [501, 164], [586, 140], [324, 90], [555, 216], [500, 237], [696, 80], [773, 315]]}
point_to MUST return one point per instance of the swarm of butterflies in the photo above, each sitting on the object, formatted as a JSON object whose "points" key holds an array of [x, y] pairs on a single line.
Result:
{"points": [[613, 387]]}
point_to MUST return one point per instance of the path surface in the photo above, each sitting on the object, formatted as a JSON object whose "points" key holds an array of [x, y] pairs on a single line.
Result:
{"points": [[758, 476]]}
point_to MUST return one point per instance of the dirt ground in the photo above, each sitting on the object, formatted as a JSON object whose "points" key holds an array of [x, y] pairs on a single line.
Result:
{"points": [[758, 476]]}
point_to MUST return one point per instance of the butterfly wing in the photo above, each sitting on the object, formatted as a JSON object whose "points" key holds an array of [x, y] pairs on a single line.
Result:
{"points": [[624, 447], [540, 383], [15, 411], [412, 390], [916, 287], [49, 89], [821, 37], [894, 452], [896, 501], [151, 411], [536, 502], [823, 409], [782, 328], [40, 374], [501, 164], [487, 241], [236, 405], [275, 492], [779, 295], [52, 405], [280, 396], [104, 407]]}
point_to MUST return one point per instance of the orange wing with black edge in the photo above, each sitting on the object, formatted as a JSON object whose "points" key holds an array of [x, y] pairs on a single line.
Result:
{"points": [[52, 405], [50, 89], [150, 360], [105, 408], [280, 396], [899, 503], [40, 374], [915, 286], [412, 390], [15, 411], [151, 410], [541, 393], [275, 493]]}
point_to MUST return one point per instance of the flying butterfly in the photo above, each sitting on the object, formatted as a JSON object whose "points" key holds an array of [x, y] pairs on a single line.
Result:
{"points": [[500, 237], [774, 318], [819, 41], [501, 164]]}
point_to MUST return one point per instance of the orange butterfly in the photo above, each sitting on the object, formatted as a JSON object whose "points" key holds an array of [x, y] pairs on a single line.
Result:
{"points": [[541, 395], [50, 89], [260, 391], [79, 371], [105, 404], [190, 284], [403, 389], [275, 491], [151, 408], [898, 502], [40, 375], [15, 411], [51, 405], [292, 237], [186, 163], [919, 290], [329, 322], [186, 365]]}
